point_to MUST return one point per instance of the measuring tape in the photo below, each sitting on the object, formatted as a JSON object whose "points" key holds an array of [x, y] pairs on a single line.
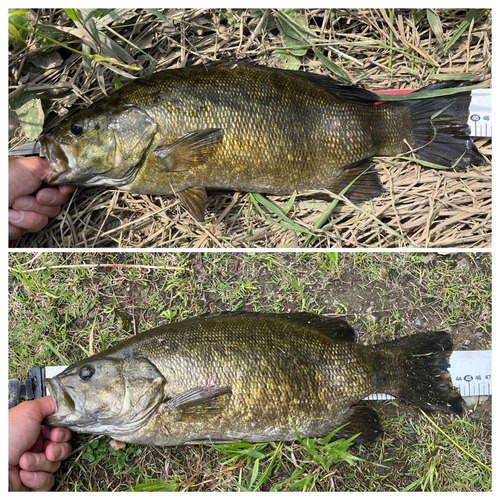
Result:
{"points": [[470, 372], [480, 115]]}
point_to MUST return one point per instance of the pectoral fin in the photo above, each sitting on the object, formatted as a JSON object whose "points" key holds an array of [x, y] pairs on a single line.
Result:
{"points": [[196, 403], [194, 200], [190, 150]]}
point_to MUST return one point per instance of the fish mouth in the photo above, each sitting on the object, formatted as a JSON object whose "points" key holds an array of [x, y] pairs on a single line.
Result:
{"points": [[58, 156], [65, 405]]}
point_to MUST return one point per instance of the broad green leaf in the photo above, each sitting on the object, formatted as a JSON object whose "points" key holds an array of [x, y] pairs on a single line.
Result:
{"points": [[31, 118], [20, 17], [289, 60], [14, 34], [295, 40]]}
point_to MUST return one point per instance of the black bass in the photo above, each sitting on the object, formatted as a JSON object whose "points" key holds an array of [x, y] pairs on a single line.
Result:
{"points": [[242, 127], [247, 377]]}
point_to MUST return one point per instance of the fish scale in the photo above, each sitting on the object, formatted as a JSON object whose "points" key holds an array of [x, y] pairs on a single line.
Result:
{"points": [[247, 376]]}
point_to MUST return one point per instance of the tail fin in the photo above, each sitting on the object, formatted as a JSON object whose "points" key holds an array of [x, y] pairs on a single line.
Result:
{"points": [[440, 128], [417, 371]]}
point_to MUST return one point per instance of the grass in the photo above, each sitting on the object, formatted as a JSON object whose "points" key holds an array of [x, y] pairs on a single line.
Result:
{"points": [[65, 306], [379, 49]]}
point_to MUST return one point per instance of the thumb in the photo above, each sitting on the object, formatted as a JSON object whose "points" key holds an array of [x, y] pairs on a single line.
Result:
{"points": [[25, 425], [26, 175]]}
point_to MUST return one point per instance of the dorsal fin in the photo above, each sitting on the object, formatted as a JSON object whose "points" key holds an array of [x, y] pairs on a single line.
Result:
{"points": [[334, 328], [344, 91]]}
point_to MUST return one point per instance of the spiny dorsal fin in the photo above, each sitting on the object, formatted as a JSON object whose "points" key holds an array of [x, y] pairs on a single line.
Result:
{"points": [[331, 327]]}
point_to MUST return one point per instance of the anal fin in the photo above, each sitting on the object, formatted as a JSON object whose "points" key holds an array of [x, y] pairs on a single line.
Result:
{"points": [[362, 420], [364, 180]]}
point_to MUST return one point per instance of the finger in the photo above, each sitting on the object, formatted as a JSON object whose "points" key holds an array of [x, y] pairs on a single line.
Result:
{"points": [[16, 232], [31, 221], [67, 190], [56, 434], [46, 406], [15, 483], [37, 409], [36, 165], [38, 446], [30, 204], [55, 452], [51, 196], [38, 462], [37, 481]]}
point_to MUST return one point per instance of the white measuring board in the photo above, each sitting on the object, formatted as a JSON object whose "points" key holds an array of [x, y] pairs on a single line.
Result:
{"points": [[480, 113], [470, 371]]}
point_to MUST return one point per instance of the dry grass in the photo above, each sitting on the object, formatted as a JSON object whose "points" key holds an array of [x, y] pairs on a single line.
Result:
{"points": [[378, 49]]}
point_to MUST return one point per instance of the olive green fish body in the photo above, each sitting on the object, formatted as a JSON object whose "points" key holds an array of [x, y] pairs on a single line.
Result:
{"points": [[239, 127], [279, 132], [272, 378], [236, 377]]}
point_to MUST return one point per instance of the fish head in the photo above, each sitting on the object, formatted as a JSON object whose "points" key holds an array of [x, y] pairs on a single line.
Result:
{"points": [[109, 396], [101, 146]]}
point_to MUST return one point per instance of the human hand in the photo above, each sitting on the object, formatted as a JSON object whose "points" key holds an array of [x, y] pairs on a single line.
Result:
{"points": [[30, 212], [35, 450]]}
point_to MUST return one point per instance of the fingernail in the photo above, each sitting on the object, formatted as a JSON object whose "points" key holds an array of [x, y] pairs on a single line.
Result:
{"points": [[56, 452], [28, 475], [22, 203], [15, 216], [31, 459], [46, 197]]}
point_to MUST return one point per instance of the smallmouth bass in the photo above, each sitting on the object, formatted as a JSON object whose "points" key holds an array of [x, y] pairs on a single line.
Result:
{"points": [[242, 127], [247, 376]]}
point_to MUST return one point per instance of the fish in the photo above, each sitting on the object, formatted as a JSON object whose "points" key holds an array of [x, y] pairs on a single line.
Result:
{"points": [[243, 127], [253, 377]]}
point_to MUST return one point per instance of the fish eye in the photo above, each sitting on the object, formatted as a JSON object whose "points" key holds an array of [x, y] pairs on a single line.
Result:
{"points": [[76, 129], [86, 373]]}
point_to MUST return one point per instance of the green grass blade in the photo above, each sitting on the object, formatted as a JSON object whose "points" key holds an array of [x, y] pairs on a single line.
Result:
{"points": [[172, 485], [435, 25], [73, 14], [94, 57], [463, 26], [429, 94], [336, 70], [287, 223]]}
